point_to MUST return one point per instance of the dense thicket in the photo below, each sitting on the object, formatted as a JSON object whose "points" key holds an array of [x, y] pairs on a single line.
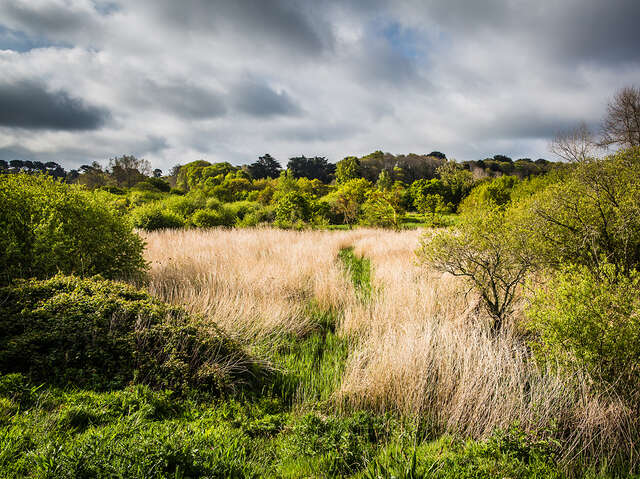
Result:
{"points": [[101, 334], [48, 227]]}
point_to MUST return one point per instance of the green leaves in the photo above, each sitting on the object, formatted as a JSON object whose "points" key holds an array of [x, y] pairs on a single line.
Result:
{"points": [[101, 334], [592, 321], [49, 227]]}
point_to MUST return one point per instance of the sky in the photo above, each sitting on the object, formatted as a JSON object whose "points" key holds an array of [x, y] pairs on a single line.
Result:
{"points": [[230, 80]]}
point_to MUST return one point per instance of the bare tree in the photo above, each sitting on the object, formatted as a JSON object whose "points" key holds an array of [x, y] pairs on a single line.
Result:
{"points": [[622, 124], [574, 145]]}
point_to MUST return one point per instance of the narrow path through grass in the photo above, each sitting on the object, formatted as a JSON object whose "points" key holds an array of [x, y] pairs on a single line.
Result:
{"points": [[359, 269]]}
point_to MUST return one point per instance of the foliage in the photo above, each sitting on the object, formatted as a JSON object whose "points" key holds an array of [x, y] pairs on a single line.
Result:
{"points": [[347, 200], [490, 194], [591, 321], [384, 208], [457, 182], [489, 251], [265, 167], [154, 216], [127, 170], [430, 204], [209, 218], [312, 168], [293, 208], [592, 216], [153, 184], [48, 227], [199, 174], [101, 334], [347, 169]]}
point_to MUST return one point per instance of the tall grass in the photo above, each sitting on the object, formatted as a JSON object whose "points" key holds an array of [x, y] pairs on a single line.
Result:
{"points": [[254, 283], [418, 345]]}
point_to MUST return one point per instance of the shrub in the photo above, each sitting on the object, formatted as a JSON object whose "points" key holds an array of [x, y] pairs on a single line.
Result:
{"points": [[184, 206], [211, 218], [490, 194], [292, 208], [48, 227], [101, 334], [384, 208], [592, 321], [153, 184], [153, 217]]}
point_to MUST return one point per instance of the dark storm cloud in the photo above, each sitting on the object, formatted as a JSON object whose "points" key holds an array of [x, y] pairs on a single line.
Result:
{"points": [[260, 100], [602, 32], [569, 31], [46, 19], [525, 125], [183, 99], [285, 24], [28, 104]]}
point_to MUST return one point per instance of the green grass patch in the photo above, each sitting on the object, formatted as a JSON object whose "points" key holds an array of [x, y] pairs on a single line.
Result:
{"points": [[359, 270]]}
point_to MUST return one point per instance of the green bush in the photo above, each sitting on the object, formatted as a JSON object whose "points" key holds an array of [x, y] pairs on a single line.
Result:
{"points": [[211, 218], [293, 208], [153, 217], [591, 216], [48, 227], [490, 194], [591, 321], [184, 206], [102, 334], [153, 184]]}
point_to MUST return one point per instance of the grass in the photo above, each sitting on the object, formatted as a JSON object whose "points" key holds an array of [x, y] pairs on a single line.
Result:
{"points": [[380, 368], [359, 270], [139, 433]]}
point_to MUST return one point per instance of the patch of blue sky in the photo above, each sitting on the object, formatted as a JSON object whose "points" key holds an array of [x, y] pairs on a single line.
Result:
{"points": [[405, 41], [20, 41]]}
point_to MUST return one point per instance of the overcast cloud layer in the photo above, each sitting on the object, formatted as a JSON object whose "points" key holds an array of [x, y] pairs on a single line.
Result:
{"points": [[229, 80]]}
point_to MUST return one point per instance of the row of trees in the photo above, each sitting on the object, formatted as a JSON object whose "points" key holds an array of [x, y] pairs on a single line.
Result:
{"points": [[126, 171]]}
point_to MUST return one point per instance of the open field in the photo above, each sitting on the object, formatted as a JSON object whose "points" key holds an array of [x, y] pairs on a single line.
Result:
{"points": [[417, 345]]}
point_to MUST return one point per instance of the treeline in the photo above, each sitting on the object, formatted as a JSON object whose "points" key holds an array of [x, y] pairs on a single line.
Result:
{"points": [[377, 189]]}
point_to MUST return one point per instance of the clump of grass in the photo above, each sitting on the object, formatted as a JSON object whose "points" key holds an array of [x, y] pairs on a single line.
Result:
{"points": [[359, 269]]}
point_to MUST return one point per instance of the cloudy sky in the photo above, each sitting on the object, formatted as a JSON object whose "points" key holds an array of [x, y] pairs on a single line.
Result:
{"points": [[228, 80]]}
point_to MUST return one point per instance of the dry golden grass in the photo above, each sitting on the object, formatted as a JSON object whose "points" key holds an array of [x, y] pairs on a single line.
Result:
{"points": [[421, 345], [251, 282]]}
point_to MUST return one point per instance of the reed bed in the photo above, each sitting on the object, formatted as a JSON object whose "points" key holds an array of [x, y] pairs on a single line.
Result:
{"points": [[419, 345]]}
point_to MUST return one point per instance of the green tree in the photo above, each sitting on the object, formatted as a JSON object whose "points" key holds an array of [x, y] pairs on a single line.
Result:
{"points": [[265, 167], [293, 208], [347, 169], [385, 182], [127, 170], [348, 198], [490, 194], [590, 217], [457, 182], [429, 204], [384, 208], [490, 252]]}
